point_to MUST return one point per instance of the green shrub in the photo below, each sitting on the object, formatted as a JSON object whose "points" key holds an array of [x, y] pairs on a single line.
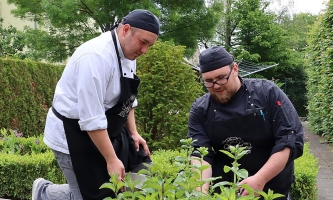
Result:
{"points": [[22, 161], [27, 90], [320, 75], [306, 170], [167, 90], [17, 173]]}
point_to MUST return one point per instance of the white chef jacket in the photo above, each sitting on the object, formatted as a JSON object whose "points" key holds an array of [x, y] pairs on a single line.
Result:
{"points": [[89, 85]]}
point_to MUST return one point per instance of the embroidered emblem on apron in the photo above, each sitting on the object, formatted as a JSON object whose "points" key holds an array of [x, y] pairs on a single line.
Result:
{"points": [[233, 141], [127, 106]]}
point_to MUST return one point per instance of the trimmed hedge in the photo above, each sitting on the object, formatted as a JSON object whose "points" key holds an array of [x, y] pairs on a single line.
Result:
{"points": [[22, 160], [306, 170], [27, 89], [17, 173], [320, 75]]}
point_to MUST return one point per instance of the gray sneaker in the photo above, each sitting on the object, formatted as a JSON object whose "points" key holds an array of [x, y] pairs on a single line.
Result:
{"points": [[36, 186]]}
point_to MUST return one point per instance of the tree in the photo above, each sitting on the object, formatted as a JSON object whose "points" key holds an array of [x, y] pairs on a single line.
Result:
{"points": [[298, 27], [294, 76], [167, 90], [12, 41], [250, 31], [257, 37], [67, 23]]}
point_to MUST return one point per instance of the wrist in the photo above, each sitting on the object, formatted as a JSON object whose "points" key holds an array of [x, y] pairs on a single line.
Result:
{"points": [[111, 158], [261, 178], [134, 132]]}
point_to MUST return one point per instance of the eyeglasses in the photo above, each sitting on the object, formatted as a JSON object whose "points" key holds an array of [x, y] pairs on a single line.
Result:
{"points": [[220, 81]]}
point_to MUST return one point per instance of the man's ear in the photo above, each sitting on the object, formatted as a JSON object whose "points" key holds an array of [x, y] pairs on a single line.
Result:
{"points": [[126, 29], [235, 69]]}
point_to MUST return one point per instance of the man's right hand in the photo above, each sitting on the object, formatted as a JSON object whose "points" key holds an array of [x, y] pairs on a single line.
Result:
{"points": [[102, 141], [116, 166]]}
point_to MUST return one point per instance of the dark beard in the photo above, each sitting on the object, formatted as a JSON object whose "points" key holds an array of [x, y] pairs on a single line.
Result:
{"points": [[222, 100]]}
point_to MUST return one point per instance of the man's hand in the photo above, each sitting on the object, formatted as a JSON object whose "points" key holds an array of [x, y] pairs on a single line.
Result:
{"points": [[272, 167], [116, 166], [138, 140], [102, 141], [255, 182]]}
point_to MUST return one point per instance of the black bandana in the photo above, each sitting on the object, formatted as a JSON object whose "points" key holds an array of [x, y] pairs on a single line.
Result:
{"points": [[143, 19], [214, 58]]}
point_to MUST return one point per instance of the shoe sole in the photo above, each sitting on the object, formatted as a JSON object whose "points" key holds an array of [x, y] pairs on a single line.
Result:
{"points": [[34, 187]]}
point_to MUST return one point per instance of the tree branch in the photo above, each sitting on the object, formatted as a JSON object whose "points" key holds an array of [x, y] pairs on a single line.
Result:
{"points": [[90, 12]]}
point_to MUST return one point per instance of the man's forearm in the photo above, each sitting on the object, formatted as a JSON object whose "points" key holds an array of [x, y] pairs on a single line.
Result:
{"points": [[130, 123], [275, 164], [102, 141]]}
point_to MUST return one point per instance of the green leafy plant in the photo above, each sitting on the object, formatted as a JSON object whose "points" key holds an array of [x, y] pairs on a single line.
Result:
{"points": [[35, 147], [9, 139], [13, 142], [161, 181], [269, 195]]}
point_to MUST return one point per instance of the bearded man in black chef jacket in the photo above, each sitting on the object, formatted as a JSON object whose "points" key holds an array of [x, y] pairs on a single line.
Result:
{"points": [[251, 113]]}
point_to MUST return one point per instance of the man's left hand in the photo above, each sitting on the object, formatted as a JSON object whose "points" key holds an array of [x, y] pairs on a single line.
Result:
{"points": [[138, 140], [255, 182]]}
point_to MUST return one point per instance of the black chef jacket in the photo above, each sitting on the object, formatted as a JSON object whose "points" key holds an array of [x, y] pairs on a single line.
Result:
{"points": [[281, 121]]}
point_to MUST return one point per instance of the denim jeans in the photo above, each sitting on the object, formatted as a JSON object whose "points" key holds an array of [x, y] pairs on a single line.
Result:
{"points": [[49, 191]]}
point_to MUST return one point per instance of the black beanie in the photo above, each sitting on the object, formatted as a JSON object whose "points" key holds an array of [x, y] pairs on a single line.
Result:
{"points": [[143, 19], [214, 58]]}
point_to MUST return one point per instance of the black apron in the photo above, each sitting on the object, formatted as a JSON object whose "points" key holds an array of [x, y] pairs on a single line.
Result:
{"points": [[88, 163], [252, 131]]}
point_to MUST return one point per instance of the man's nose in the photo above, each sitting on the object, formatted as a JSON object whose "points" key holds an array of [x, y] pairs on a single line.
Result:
{"points": [[216, 85], [144, 49]]}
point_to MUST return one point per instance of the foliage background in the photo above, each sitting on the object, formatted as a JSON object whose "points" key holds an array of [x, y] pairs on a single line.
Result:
{"points": [[27, 89], [12, 41], [247, 28], [167, 90], [320, 73], [64, 24]]}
